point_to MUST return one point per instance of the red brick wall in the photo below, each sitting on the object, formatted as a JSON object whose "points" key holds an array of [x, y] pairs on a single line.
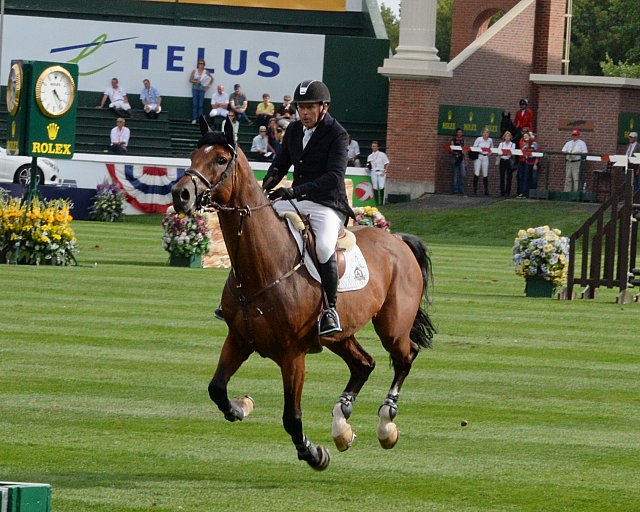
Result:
{"points": [[549, 43], [411, 130]]}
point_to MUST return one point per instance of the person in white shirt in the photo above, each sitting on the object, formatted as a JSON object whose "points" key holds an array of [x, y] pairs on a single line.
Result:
{"points": [[505, 164], [482, 162], [235, 124], [219, 103], [151, 100], [118, 100], [573, 150], [353, 153], [632, 149], [377, 163], [260, 148], [119, 137]]}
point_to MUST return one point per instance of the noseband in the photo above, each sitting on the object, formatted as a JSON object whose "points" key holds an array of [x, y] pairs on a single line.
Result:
{"points": [[204, 199]]}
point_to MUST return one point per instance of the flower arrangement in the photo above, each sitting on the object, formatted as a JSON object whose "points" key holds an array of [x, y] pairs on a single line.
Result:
{"points": [[185, 235], [108, 203], [542, 252], [37, 233], [371, 216]]}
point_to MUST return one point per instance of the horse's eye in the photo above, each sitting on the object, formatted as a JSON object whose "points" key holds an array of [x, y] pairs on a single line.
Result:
{"points": [[221, 160]]}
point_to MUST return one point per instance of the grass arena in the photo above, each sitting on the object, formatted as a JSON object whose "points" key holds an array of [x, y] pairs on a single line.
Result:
{"points": [[522, 404]]}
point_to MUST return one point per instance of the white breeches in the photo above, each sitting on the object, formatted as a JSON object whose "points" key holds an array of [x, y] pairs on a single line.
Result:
{"points": [[120, 104], [325, 222], [482, 162], [378, 179], [218, 112], [153, 107]]}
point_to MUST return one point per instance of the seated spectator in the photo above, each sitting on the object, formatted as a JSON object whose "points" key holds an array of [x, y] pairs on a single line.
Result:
{"points": [[353, 153], [119, 137], [238, 103], [260, 149], [151, 100], [286, 112], [219, 105], [265, 110], [235, 125], [118, 100]]}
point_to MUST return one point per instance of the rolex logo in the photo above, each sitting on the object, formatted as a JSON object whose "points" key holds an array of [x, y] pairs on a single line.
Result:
{"points": [[493, 117], [449, 115], [13, 129], [470, 116], [52, 130]]}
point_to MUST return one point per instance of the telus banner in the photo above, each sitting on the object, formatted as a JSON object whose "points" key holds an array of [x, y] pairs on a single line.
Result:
{"points": [[260, 61]]}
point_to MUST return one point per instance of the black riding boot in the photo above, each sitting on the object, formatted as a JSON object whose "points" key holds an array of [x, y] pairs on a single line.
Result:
{"points": [[485, 183], [475, 185], [329, 322], [382, 196]]}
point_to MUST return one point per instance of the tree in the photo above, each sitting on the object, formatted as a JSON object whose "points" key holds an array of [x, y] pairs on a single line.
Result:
{"points": [[392, 25]]}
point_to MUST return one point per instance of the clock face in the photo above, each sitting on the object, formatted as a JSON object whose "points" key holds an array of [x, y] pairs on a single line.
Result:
{"points": [[55, 91], [14, 88]]}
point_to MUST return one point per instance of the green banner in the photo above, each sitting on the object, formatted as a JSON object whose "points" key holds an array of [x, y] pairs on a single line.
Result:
{"points": [[627, 122], [472, 120]]}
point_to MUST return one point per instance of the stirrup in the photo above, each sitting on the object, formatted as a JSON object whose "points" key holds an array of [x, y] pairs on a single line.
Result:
{"points": [[329, 322]]}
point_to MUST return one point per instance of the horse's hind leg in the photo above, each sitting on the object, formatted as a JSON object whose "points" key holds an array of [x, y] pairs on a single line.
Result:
{"points": [[233, 354], [360, 365]]}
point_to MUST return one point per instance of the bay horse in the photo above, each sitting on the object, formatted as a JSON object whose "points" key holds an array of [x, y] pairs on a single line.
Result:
{"points": [[271, 304]]}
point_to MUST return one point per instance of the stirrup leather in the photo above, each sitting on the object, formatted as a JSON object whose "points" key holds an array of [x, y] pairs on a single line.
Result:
{"points": [[329, 322]]}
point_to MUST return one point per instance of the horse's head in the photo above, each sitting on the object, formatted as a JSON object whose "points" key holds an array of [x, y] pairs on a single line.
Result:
{"points": [[211, 164]]}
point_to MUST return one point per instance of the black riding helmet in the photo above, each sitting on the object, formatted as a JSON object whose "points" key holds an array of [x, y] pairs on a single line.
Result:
{"points": [[312, 91], [524, 102]]}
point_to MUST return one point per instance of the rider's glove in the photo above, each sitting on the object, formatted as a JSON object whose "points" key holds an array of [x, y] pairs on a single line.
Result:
{"points": [[282, 193]]}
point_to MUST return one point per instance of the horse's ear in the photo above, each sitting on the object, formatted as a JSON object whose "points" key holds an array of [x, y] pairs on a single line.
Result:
{"points": [[204, 126], [228, 133]]}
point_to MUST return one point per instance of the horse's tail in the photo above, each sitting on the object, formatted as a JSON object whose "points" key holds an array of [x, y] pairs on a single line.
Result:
{"points": [[423, 330]]}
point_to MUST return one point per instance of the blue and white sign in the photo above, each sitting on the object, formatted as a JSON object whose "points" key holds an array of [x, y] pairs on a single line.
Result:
{"points": [[260, 61]]}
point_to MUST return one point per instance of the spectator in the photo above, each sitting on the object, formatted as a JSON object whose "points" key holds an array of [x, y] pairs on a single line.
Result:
{"points": [[353, 153], [377, 163], [286, 113], [524, 116], [260, 149], [573, 150], [235, 125], [219, 105], [265, 110], [632, 149], [505, 163], [238, 103], [119, 137], [200, 80], [458, 169], [527, 165], [274, 138], [118, 100], [482, 162], [151, 100]]}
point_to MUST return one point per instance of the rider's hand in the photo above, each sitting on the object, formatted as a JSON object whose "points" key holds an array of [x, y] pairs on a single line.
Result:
{"points": [[268, 183], [282, 193]]}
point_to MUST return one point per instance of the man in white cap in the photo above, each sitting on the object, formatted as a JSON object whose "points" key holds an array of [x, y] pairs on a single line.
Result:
{"points": [[632, 149], [573, 150]]}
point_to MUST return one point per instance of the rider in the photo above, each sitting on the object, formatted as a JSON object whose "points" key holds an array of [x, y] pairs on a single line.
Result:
{"points": [[316, 146]]}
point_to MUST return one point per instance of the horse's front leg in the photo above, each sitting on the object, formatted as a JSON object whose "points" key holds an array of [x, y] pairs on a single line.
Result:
{"points": [[293, 381], [234, 353]]}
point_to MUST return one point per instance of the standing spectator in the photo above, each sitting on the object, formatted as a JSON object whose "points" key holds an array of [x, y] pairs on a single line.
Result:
{"points": [[235, 125], [274, 138], [151, 100], [286, 112], [632, 149], [238, 103], [524, 116], [505, 163], [573, 150], [200, 80], [265, 110], [118, 100], [527, 165], [260, 149], [377, 163], [458, 169], [219, 105], [119, 138], [482, 162], [353, 153]]}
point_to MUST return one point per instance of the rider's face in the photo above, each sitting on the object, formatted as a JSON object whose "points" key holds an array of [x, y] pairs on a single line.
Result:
{"points": [[310, 113]]}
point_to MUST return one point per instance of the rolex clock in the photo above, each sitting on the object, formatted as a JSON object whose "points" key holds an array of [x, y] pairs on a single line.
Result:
{"points": [[55, 91], [14, 88]]}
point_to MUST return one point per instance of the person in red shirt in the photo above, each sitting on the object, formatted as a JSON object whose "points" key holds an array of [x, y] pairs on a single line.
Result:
{"points": [[524, 116]]}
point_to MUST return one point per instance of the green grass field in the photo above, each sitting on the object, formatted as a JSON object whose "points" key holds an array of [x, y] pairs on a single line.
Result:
{"points": [[104, 370]]}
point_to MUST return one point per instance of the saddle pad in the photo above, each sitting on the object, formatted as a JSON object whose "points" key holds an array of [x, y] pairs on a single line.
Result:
{"points": [[356, 273]]}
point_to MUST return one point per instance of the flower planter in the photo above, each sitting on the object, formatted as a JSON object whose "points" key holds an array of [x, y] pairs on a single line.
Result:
{"points": [[194, 261], [538, 287]]}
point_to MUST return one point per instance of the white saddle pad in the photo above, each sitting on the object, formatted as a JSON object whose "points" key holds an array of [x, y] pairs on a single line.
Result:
{"points": [[356, 273]]}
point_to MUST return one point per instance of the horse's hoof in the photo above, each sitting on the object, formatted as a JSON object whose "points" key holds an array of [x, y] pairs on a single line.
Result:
{"points": [[323, 459], [246, 403], [388, 436], [344, 440]]}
